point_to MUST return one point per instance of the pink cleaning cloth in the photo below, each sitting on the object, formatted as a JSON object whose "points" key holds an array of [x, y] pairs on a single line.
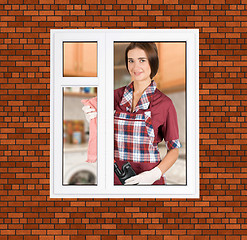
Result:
{"points": [[92, 143]]}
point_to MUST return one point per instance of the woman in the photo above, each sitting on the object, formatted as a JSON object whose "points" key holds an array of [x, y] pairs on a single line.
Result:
{"points": [[144, 117]]}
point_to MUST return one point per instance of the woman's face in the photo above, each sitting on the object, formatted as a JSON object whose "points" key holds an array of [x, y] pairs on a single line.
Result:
{"points": [[138, 65]]}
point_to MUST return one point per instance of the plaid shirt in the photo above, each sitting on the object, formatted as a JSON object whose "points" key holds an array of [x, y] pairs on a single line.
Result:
{"points": [[144, 103], [134, 138], [144, 100]]}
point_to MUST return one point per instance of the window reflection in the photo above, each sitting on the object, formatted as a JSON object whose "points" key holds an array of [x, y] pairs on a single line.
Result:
{"points": [[80, 59], [78, 166]]}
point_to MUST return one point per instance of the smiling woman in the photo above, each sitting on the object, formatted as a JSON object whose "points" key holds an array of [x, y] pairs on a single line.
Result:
{"points": [[138, 65], [138, 128], [146, 53]]}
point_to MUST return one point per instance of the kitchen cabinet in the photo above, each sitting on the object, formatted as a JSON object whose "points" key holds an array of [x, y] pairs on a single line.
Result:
{"points": [[80, 59], [171, 74]]}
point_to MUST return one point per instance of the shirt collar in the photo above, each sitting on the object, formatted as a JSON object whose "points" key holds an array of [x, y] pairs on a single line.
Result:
{"points": [[144, 100]]}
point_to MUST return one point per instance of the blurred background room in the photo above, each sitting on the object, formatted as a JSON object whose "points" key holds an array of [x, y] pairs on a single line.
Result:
{"points": [[80, 60], [76, 169]]}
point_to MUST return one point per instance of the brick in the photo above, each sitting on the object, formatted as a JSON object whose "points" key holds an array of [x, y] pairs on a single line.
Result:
{"points": [[24, 114]]}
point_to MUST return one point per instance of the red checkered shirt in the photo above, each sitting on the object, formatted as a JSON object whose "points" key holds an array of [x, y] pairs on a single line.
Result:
{"points": [[163, 113]]}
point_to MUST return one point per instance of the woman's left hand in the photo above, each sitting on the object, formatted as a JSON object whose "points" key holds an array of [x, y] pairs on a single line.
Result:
{"points": [[145, 178]]}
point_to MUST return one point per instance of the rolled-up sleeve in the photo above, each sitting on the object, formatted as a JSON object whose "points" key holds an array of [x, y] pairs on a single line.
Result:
{"points": [[170, 129]]}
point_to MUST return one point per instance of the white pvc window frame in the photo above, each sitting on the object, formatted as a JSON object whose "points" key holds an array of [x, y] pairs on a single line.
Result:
{"points": [[104, 81]]}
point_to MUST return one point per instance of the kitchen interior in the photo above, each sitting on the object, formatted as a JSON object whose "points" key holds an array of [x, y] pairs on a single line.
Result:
{"points": [[80, 60]]}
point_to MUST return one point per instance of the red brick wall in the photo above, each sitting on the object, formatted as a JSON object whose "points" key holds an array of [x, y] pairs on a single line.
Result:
{"points": [[27, 212]]}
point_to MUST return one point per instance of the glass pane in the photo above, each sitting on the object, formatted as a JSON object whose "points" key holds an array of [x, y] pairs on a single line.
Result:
{"points": [[79, 137], [80, 59], [171, 81]]}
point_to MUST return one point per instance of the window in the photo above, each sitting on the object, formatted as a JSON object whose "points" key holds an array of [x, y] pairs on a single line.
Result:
{"points": [[79, 59], [89, 65]]}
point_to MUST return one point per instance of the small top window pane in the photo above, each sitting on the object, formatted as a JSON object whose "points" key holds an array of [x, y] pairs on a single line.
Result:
{"points": [[80, 59]]}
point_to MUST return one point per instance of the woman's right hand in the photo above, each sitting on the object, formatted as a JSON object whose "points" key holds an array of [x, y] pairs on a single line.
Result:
{"points": [[89, 112]]}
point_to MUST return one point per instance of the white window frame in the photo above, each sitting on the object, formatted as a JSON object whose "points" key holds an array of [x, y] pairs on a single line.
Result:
{"points": [[104, 81]]}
